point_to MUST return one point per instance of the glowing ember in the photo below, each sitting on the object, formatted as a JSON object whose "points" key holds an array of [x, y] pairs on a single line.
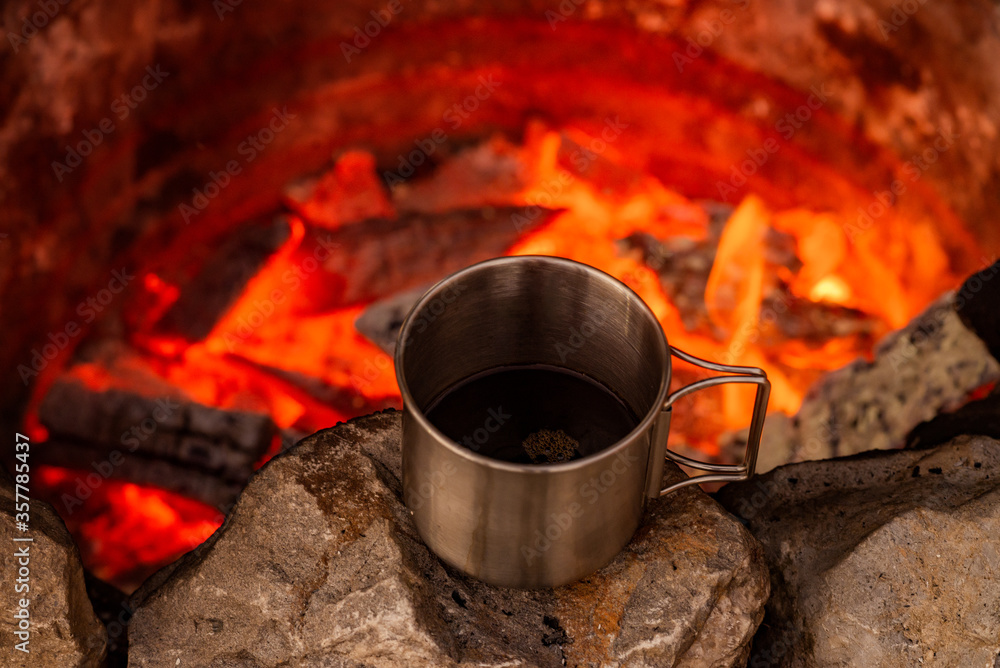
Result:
{"points": [[831, 289], [603, 198], [281, 349], [733, 297], [125, 532]]}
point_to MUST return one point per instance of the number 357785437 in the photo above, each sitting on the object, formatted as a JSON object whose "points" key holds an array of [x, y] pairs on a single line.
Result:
{"points": [[22, 449]]}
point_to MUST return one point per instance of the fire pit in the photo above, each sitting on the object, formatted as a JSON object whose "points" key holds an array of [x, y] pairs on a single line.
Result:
{"points": [[219, 220]]}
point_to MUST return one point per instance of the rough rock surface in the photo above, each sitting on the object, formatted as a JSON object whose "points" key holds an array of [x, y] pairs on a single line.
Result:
{"points": [[64, 630], [928, 367], [319, 565], [880, 560]]}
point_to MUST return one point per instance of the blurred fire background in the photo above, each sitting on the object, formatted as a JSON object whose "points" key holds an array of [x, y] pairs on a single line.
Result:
{"points": [[783, 183]]}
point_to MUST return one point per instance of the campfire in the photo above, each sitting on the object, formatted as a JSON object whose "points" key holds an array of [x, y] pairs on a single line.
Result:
{"points": [[221, 269], [293, 335]]}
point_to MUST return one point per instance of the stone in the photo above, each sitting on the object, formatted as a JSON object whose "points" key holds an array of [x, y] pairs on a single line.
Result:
{"points": [[929, 367], [880, 560], [978, 305], [319, 564], [63, 631], [980, 417]]}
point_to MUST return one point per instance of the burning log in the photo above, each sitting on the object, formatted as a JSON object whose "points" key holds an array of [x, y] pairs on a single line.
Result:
{"points": [[491, 173], [349, 192], [202, 452], [930, 366], [221, 279], [344, 400], [380, 256], [144, 468], [351, 246], [684, 265]]}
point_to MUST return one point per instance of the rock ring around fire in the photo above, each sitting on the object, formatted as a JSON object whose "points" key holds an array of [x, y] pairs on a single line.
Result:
{"points": [[319, 564]]}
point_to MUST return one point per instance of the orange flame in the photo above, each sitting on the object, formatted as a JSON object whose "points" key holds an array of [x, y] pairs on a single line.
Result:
{"points": [[310, 368], [604, 197]]}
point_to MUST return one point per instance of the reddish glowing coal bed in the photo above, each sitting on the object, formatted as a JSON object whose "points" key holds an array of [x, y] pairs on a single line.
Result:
{"points": [[125, 531], [880, 278]]}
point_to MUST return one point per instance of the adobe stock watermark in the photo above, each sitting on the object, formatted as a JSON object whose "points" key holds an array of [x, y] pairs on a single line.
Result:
{"points": [[375, 366], [913, 169], [104, 469], [710, 32], [88, 310], [495, 420], [786, 126], [223, 7], [929, 325], [363, 35], [32, 24], [901, 13], [121, 107], [558, 523], [291, 280], [578, 337], [775, 654], [249, 149], [581, 159], [454, 116], [750, 331], [428, 486], [566, 9]]}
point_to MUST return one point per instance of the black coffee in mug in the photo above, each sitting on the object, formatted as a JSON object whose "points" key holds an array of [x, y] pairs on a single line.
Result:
{"points": [[532, 414]]}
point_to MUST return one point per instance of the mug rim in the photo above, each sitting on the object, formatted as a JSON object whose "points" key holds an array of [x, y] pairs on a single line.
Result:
{"points": [[409, 405]]}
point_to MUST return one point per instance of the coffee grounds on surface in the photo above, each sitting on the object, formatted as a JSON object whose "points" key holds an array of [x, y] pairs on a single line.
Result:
{"points": [[550, 446]]}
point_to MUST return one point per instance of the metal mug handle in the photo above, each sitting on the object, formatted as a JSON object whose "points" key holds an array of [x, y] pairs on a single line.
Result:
{"points": [[717, 472]]}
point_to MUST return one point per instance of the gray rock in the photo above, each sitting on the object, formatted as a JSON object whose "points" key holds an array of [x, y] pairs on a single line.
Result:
{"points": [[63, 631], [319, 565], [883, 559], [928, 367]]}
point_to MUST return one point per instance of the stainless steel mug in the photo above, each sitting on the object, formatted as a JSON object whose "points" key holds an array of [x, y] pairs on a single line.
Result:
{"points": [[543, 525]]}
